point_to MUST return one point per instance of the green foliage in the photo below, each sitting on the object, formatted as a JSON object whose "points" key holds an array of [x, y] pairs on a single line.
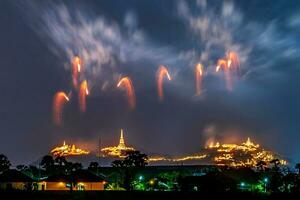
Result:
{"points": [[4, 163], [169, 180], [139, 185], [127, 167], [114, 186]]}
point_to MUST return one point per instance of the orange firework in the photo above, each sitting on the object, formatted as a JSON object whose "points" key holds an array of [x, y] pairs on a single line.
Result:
{"points": [[126, 83], [60, 98], [232, 59], [77, 67], [162, 72], [198, 76], [222, 64], [83, 92]]}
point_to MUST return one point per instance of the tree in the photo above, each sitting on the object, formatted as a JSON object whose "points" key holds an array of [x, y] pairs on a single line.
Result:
{"points": [[94, 166], [128, 167], [22, 167], [118, 163], [170, 179], [47, 163], [261, 165], [33, 171], [298, 167], [4, 163], [60, 161], [276, 176], [76, 166], [135, 159], [289, 181]]}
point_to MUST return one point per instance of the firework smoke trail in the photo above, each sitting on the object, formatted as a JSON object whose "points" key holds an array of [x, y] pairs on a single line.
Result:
{"points": [[60, 98], [83, 92], [76, 69], [126, 83], [162, 72], [228, 79], [198, 77]]}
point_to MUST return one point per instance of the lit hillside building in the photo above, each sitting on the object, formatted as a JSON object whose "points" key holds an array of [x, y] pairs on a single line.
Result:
{"points": [[237, 155], [246, 154], [117, 151], [68, 150]]}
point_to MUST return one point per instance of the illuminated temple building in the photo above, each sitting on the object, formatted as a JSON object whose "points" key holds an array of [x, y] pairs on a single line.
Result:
{"points": [[68, 150], [117, 151], [245, 154]]}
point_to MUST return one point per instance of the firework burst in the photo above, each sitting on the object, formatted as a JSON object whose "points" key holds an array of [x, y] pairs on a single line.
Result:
{"points": [[60, 98], [162, 72], [76, 69], [83, 92], [126, 83], [198, 78]]}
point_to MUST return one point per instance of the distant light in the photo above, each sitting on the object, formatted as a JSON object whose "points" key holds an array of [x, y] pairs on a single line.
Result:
{"points": [[243, 184], [141, 178], [266, 180], [151, 182]]}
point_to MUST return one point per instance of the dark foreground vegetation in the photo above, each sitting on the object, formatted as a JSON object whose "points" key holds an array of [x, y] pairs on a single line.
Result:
{"points": [[131, 178]]}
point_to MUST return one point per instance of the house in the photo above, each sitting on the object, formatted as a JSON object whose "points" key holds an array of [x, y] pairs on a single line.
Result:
{"points": [[14, 179], [78, 180]]}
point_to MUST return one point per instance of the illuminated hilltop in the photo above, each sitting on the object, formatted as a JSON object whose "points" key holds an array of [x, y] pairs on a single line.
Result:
{"points": [[68, 150], [234, 155], [117, 151], [245, 154]]}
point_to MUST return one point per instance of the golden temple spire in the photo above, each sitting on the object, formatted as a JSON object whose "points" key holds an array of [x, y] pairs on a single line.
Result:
{"points": [[121, 142], [118, 151], [248, 142]]}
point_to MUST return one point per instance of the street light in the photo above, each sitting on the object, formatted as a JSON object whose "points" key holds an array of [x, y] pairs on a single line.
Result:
{"points": [[151, 182], [266, 180], [141, 178]]}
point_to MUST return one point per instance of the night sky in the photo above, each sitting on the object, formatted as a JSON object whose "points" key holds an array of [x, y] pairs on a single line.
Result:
{"points": [[132, 38]]}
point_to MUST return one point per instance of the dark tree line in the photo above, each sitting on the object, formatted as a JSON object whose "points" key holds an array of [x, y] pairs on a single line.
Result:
{"points": [[58, 165], [277, 178]]}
